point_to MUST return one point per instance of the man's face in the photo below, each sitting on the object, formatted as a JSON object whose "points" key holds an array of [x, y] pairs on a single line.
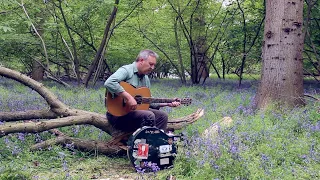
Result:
{"points": [[147, 66]]}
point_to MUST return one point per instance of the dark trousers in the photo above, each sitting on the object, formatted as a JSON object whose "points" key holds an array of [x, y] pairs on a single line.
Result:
{"points": [[139, 118]]}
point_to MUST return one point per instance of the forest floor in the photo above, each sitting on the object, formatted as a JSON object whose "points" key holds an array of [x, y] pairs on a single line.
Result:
{"points": [[275, 144], [101, 167]]}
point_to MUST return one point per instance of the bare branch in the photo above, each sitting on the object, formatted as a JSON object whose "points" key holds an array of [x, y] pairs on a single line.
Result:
{"points": [[36, 31]]}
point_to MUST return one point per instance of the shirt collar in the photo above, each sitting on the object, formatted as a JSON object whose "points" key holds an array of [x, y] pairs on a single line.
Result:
{"points": [[135, 70]]}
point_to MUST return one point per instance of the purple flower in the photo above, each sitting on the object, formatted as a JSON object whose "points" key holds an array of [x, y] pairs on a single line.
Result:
{"points": [[147, 167], [154, 167], [75, 130], [233, 149], [38, 138], [64, 165], [264, 157], [139, 169], [201, 163], [100, 134], [316, 127], [303, 156], [61, 154], [16, 150], [7, 141], [21, 136], [70, 146]]}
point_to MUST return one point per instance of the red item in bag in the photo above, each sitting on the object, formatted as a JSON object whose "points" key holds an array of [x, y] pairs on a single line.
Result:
{"points": [[143, 150]]}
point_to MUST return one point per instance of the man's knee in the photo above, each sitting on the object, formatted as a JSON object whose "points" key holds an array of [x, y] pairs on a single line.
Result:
{"points": [[148, 119], [163, 115]]}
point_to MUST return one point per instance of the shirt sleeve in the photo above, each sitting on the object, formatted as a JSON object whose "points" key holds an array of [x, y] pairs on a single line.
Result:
{"points": [[112, 83]]}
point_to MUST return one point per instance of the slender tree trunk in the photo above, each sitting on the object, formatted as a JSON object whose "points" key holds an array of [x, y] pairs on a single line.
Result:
{"points": [[223, 66], [37, 69], [74, 48], [183, 76], [244, 53], [100, 52], [282, 75]]}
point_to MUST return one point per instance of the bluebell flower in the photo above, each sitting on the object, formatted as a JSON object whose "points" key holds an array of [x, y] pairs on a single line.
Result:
{"points": [[61, 154], [21, 136], [70, 146], [64, 165], [16, 150]]}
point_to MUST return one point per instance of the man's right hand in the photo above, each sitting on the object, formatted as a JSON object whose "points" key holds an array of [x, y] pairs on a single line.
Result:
{"points": [[130, 101]]}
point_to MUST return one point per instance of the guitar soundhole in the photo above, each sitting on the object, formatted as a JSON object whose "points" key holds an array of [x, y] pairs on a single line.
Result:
{"points": [[138, 98]]}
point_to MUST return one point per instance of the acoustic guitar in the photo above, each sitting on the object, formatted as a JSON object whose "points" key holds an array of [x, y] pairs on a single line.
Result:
{"points": [[117, 106]]}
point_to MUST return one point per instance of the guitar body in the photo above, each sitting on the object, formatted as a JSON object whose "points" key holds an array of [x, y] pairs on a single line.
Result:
{"points": [[118, 107]]}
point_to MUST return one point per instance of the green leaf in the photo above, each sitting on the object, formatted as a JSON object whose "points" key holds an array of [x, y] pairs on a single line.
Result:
{"points": [[6, 28]]}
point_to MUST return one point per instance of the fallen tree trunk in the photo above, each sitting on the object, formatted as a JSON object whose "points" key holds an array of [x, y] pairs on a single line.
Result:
{"points": [[84, 145], [61, 115]]}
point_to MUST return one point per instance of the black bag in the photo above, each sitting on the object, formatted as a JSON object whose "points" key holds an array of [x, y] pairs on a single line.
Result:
{"points": [[150, 149]]}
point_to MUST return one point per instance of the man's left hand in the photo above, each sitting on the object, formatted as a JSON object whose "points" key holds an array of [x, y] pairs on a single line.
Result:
{"points": [[174, 104]]}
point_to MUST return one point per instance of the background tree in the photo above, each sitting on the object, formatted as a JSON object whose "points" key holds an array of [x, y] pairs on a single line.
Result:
{"points": [[246, 45], [282, 75]]}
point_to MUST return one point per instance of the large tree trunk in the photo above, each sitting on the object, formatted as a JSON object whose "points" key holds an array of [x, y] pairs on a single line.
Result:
{"points": [[200, 57], [59, 115], [197, 41], [282, 75]]}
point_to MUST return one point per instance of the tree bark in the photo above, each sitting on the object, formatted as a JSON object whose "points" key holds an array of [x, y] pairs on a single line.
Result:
{"points": [[60, 115], [37, 71], [282, 70]]}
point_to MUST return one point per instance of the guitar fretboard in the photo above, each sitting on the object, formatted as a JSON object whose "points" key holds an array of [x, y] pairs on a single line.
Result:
{"points": [[146, 100]]}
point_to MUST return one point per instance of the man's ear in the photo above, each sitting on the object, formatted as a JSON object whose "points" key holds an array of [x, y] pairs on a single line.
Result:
{"points": [[140, 60]]}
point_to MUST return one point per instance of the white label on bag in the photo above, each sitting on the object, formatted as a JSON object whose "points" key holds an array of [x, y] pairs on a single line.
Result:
{"points": [[165, 148], [164, 161]]}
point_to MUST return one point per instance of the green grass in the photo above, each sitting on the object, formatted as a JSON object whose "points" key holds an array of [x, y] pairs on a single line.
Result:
{"points": [[271, 144]]}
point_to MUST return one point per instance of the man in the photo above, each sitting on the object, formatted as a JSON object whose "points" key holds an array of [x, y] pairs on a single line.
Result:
{"points": [[136, 74]]}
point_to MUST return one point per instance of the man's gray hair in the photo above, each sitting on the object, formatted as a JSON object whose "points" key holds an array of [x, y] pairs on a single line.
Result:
{"points": [[144, 54]]}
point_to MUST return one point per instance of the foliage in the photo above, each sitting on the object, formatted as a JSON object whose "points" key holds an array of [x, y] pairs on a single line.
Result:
{"points": [[312, 43], [138, 25], [269, 144]]}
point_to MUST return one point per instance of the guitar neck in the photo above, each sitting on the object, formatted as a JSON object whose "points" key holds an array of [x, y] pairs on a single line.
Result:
{"points": [[147, 100]]}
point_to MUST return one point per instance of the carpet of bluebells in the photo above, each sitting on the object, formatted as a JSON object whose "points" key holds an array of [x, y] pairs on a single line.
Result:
{"points": [[270, 144]]}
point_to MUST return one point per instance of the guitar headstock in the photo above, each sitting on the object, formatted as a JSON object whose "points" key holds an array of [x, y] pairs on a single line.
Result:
{"points": [[186, 101]]}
